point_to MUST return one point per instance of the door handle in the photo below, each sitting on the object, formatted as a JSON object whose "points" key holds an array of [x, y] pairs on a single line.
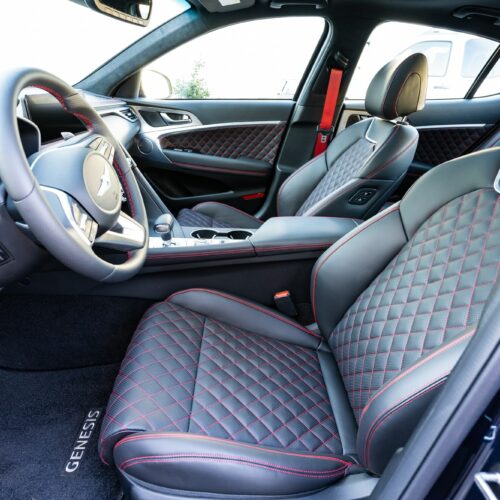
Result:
{"points": [[176, 118]]}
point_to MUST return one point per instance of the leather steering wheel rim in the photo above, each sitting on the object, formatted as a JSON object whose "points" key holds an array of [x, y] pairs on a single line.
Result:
{"points": [[28, 197]]}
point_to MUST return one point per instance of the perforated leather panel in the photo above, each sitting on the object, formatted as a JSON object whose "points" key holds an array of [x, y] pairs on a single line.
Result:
{"points": [[430, 292], [341, 171], [189, 373]]}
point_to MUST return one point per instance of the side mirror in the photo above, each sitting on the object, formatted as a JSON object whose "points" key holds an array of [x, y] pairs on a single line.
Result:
{"points": [[155, 85], [131, 11]]}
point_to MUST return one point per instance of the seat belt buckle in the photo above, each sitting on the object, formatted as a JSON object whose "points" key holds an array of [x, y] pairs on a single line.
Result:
{"points": [[324, 134], [284, 303]]}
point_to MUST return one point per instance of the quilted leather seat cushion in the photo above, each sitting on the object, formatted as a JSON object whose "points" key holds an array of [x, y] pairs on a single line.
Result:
{"points": [[217, 215], [188, 372]]}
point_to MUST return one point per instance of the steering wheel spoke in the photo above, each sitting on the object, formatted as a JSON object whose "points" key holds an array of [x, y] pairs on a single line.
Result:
{"points": [[70, 195], [75, 219], [125, 235]]}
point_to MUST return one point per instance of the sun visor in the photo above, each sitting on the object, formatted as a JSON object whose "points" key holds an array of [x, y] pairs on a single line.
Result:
{"points": [[226, 5]]}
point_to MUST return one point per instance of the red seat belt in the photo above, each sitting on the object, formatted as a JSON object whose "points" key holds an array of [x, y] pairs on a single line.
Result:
{"points": [[326, 123]]}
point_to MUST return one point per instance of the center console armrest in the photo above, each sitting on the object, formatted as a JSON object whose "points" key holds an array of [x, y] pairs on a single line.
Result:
{"points": [[300, 234]]}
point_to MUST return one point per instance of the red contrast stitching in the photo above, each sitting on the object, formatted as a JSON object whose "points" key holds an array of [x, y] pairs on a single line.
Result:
{"points": [[218, 169], [225, 459], [226, 206], [311, 246], [186, 255], [417, 365], [388, 162], [62, 102], [288, 179], [351, 184], [173, 435], [349, 237], [123, 177], [247, 304], [405, 402]]}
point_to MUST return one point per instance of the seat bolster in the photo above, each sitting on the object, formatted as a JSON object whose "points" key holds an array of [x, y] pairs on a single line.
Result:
{"points": [[246, 315], [469, 173], [190, 462], [350, 265], [394, 152], [296, 188], [227, 216], [392, 413]]}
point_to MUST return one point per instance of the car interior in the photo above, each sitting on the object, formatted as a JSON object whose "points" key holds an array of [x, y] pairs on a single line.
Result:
{"points": [[283, 295]]}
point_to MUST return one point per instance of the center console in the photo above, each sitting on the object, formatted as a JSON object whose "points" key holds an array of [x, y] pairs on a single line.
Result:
{"points": [[280, 236]]}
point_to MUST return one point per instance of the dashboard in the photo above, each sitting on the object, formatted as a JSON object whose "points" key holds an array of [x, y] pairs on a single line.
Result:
{"points": [[55, 124], [43, 123]]}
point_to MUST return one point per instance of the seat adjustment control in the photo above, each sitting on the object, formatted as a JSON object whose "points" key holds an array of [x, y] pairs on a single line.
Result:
{"points": [[362, 196]]}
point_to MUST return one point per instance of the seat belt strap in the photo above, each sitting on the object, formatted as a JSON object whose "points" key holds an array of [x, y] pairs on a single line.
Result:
{"points": [[326, 123]]}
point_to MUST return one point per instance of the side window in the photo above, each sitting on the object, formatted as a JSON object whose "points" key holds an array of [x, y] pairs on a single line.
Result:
{"points": [[264, 59], [455, 59], [491, 84]]}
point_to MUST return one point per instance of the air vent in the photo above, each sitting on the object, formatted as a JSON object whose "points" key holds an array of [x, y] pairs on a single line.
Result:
{"points": [[128, 114]]}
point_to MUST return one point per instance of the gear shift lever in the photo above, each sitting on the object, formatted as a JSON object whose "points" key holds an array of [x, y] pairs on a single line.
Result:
{"points": [[163, 226]]}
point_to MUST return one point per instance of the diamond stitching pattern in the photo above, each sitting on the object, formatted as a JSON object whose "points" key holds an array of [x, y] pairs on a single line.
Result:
{"points": [[436, 146], [256, 390], [342, 171], [153, 390], [260, 142], [431, 291], [187, 373], [191, 218]]}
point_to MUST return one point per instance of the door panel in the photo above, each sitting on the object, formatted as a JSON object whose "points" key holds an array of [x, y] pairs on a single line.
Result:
{"points": [[255, 141], [438, 144], [217, 150]]}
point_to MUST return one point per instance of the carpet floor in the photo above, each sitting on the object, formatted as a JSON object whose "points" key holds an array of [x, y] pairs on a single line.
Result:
{"points": [[42, 414]]}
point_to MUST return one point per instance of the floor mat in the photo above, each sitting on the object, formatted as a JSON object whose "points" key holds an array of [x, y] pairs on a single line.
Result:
{"points": [[45, 332], [42, 414]]}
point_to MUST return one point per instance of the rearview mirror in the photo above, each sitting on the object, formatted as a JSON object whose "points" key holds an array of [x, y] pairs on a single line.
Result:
{"points": [[155, 85], [131, 11]]}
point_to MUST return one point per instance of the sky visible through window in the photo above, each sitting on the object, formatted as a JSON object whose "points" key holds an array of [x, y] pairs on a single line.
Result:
{"points": [[67, 39]]}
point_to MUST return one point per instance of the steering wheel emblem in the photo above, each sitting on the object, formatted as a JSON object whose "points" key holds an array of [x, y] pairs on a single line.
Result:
{"points": [[105, 182]]}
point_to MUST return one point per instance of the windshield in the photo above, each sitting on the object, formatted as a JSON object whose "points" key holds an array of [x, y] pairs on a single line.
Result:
{"points": [[67, 39]]}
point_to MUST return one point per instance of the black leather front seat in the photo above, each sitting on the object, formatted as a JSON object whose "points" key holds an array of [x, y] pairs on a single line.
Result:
{"points": [[372, 154], [218, 395]]}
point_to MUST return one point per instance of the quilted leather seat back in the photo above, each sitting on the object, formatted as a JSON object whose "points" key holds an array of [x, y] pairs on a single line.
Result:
{"points": [[431, 292], [397, 329], [373, 154], [343, 170]]}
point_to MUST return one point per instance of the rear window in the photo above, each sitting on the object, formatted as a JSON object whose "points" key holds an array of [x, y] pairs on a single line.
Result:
{"points": [[437, 53], [455, 59], [476, 54]]}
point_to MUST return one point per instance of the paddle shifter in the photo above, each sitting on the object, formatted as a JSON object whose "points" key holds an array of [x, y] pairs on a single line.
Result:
{"points": [[163, 226]]}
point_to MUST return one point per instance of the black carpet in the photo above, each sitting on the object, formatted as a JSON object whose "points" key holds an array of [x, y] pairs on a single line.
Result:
{"points": [[42, 413], [53, 332]]}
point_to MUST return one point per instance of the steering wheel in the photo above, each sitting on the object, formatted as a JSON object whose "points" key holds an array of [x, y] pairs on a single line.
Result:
{"points": [[71, 196]]}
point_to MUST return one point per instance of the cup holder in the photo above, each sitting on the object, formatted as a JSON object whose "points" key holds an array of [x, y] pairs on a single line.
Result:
{"points": [[204, 234], [239, 235], [210, 234]]}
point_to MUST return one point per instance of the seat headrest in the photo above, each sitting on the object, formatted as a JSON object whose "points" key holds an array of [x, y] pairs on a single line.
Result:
{"points": [[399, 88]]}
